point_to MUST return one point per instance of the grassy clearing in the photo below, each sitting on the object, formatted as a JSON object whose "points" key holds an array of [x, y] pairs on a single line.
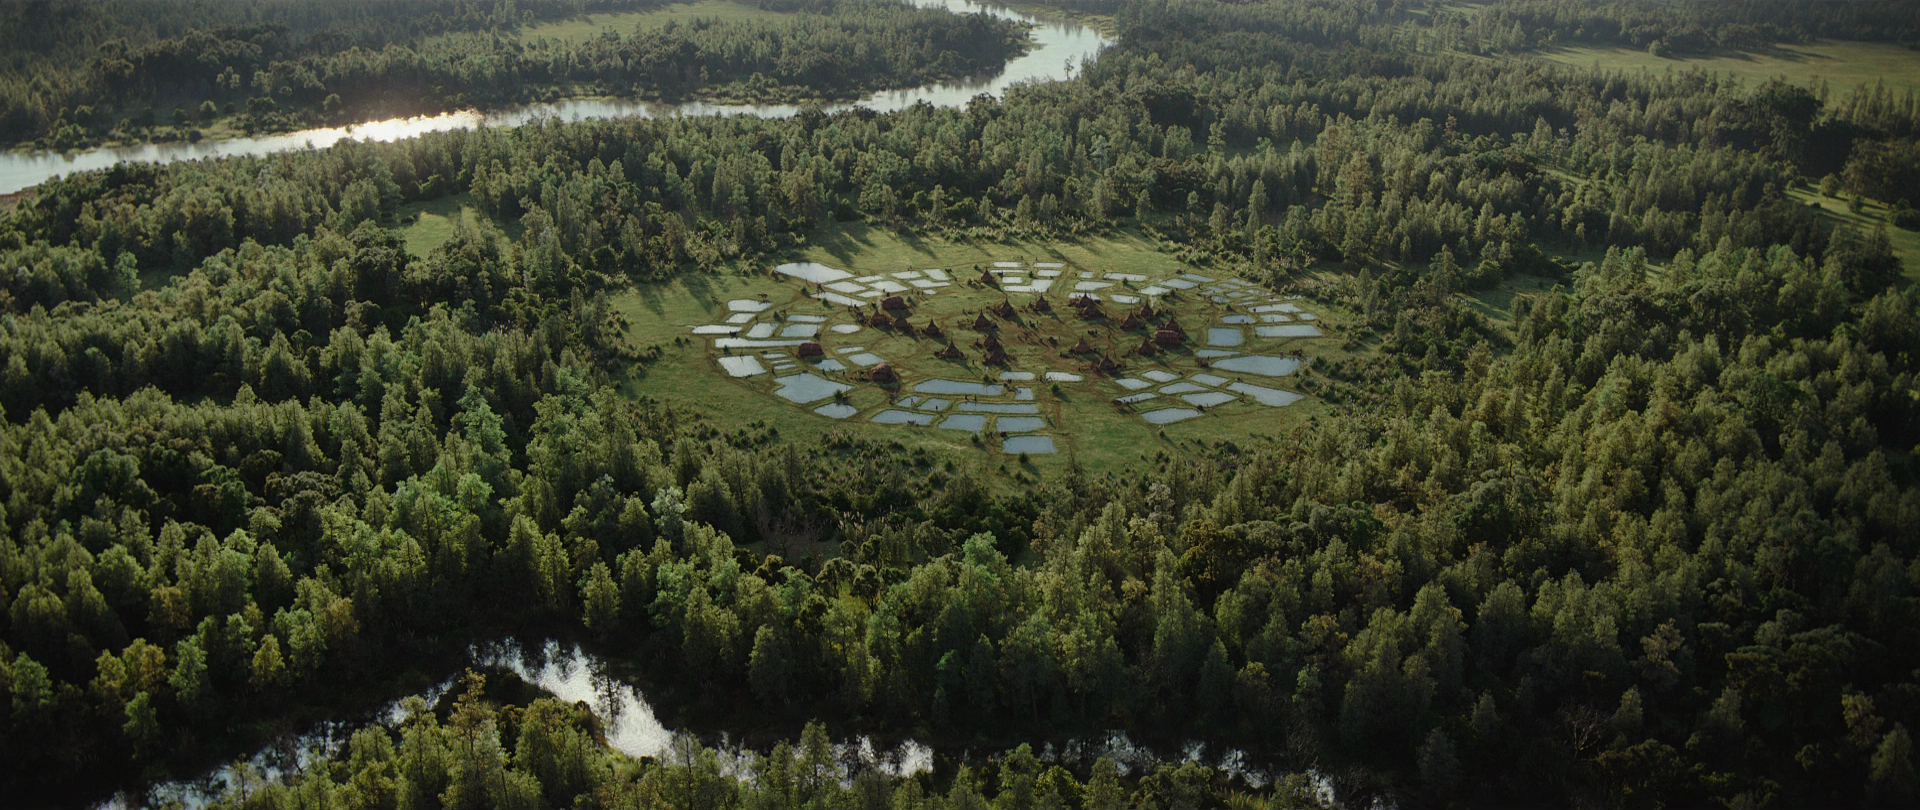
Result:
{"points": [[435, 220], [587, 26], [1083, 420], [1843, 64], [1872, 214]]}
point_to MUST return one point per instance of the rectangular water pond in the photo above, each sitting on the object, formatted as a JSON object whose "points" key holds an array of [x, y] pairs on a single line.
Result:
{"points": [[1237, 319], [1000, 407], [1197, 277], [1063, 376], [1277, 308], [1169, 415], [1181, 388], [957, 388], [1132, 398], [845, 328], [804, 388], [740, 318], [1049, 264], [1267, 396], [972, 422], [812, 271], [1209, 379], [1011, 376], [716, 329], [1132, 384], [760, 331], [867, 359], [1288, 330], [1224, 336], [847, 287], [935, 404], [1154, 290], [744, 343], [744, 365], [1031, 445], [1157, 375], [836, 410], [893, 417], [800, 330], [830, 364], [1092, 285], [836, 298], [1209, 354], [1178, 284], [748, 305], [807, 318], [1019, 424], [1208, 399], [1260, 364]]}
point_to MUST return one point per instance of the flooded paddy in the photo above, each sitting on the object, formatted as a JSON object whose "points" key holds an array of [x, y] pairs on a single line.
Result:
{"points": [[1260, 364], [1031, 445]]}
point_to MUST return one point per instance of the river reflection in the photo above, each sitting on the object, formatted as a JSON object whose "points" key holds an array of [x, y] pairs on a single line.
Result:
{"points": [[1057, 50], [569, 673]]}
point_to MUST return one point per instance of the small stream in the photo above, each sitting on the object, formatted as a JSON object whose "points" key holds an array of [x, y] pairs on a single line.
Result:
{"points": [[1056, 52]]}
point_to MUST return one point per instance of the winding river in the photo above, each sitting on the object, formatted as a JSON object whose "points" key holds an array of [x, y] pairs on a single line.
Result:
{"points": [[1057, 51]]}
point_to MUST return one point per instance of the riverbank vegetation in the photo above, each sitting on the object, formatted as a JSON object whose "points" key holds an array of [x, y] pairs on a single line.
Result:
{"points": [[295, 68], [1645, 539]]}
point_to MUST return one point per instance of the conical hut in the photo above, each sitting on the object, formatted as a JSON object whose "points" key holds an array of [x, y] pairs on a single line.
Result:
{"points": [[1146, 311], [1041, 305], [996, 357], [1173, 323], [882, 373], [879, 319], [1147, 348], [810, 349], [1092, 312], [951, 352], [993, 343], [988, 278], [1107, 365], [900, 323], [1132, 322], [893, 302], [981, 324], [1004, 309], [1083, 347], [1169, 337], [932, 329]]}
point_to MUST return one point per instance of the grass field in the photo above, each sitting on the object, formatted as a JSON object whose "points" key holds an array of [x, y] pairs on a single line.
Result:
{"points": [[1083, 420], [1844, 65], [1906, 244], [436, 219]]}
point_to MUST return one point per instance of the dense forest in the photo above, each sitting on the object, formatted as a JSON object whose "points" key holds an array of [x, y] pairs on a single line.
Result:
{"points": [[280, 66], [1643, 541]]}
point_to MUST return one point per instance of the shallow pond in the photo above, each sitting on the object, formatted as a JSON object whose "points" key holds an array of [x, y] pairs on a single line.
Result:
{"points": [[1031, 445], [814, 272], [957, 388], [898, 417], [1169, 415], [1209, 399], [836, 410], [965, 421], [1260, 364], [1288, 330], [999, 407], [744, 365], [1019, 424], [1267, 396], [804, 388]]}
